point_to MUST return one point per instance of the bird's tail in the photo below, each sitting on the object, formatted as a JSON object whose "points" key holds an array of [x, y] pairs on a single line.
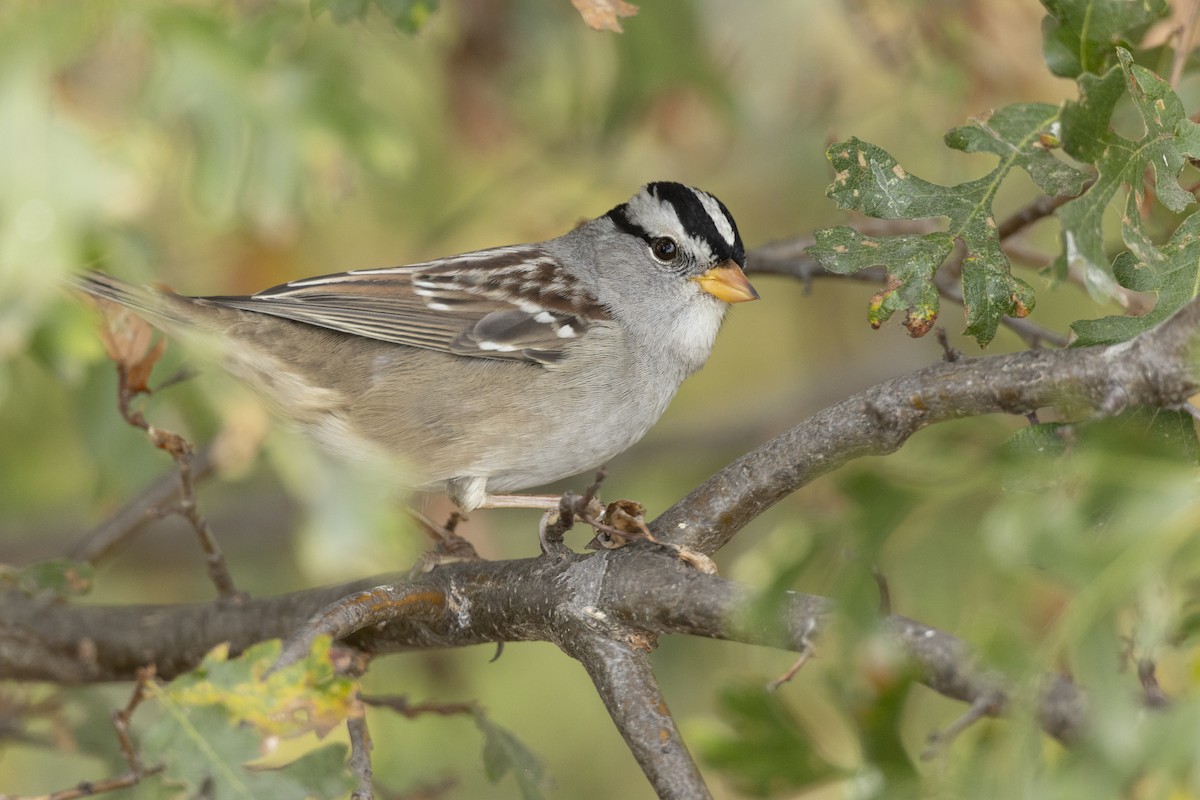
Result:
{"points": [[163, 309], [105, 287]]}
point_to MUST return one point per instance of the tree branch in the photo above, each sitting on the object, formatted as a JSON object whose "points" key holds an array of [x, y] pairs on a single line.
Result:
{"points": [[622, 675], [606, 609], [106, 537], [1154, 369], [625, 597]]}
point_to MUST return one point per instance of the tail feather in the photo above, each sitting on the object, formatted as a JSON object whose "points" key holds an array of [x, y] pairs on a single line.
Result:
{"points": [[140, 298], [173, 313]]}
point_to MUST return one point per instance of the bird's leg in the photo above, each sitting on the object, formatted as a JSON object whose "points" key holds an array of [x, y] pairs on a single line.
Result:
{"points": [[540, 501], [448, 545]]}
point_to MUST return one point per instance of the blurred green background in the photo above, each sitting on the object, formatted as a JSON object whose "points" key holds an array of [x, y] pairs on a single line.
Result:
{"points": [[222, 147]]}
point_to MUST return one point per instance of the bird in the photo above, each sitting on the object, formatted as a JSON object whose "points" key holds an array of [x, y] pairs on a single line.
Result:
{"points": [[489, 372]]}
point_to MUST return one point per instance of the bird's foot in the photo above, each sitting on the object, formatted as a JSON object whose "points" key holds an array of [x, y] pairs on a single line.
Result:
{"points": [[448, 545]]}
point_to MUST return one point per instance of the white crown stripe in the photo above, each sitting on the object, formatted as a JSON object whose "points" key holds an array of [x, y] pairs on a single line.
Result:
{"points": [[719, 218]]}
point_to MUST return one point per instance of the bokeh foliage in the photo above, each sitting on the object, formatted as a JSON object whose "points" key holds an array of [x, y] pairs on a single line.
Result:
{"points": [[226, 146]]}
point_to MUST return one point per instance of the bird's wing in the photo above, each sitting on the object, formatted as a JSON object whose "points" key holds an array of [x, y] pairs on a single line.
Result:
{"points": [[505, 303]]}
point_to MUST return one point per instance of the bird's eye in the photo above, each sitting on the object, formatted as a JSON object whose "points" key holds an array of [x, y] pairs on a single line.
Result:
{"points": [[664, 248]]}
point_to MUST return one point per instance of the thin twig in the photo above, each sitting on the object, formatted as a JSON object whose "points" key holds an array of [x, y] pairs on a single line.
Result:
{"points": [[1038, 209], [983, 706], [1152, 692], [807, 649], [137, 771], [885, 591], [180, 451], [400, 704], [949, 353], [214, 558], [376, 606], [360, 758], [122, 717], [148, 504]]}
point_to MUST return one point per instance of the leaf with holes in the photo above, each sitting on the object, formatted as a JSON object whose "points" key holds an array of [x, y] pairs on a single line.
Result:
{"points": [[869, 180], [912, 260], [308, 695], [1174, 276], [1170, 140]]}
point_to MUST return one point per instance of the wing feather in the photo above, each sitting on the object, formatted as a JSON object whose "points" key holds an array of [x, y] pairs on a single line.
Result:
{"points": [[507, 303]]}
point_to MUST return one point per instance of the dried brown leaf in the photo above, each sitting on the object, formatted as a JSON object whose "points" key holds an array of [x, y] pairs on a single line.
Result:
{"points": [[137, 376], [627, 516], [126, 336], [604, 15], [129, 341]]}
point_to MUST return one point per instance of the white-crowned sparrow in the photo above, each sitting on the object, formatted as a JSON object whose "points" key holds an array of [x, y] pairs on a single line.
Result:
{"points": [[491, 371]]}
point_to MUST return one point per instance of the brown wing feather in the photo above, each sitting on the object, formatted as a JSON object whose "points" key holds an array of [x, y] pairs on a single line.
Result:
{"points": [[509, 303]]}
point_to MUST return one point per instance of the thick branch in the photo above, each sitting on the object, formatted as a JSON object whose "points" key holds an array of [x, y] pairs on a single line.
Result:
{"points": [[1154, 369], [624, 597], [601, 608], [43, 639], [623, 678], [642, 587]]}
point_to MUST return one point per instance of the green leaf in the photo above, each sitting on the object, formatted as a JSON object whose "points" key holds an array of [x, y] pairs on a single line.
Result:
{"points": [[911, 259], [766, 751], [869, 180], [881, 504], [1143, 434], [1037, 457], [1042, 441], [198, 746], [1005, 133], [1085, 123], [1170, 140], [321, 773], [1174, 277], [877, 706], [1172, 434], [213, 721], [1032, 457], [503, 752], [308, 695], [56, 577], [202, 747], [407, 15], [1081, 35]]}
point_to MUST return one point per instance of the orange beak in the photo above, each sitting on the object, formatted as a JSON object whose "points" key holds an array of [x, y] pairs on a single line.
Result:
{"points": [[727, 282]]}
